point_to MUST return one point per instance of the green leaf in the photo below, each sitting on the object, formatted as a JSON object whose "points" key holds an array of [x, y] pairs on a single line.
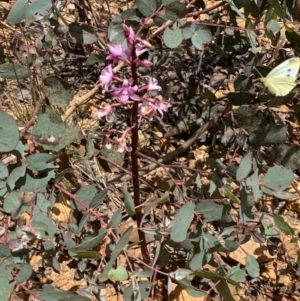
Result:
{"points": [[83, 33], [277, 8], [245, 167], [200, 37], [237, 274], [25, 271], [119, 274], [233, 6], [132, 15], [49, 247], [182, 222], [176, 10], [277, 179], [180, 274], [36, 182], [13, 203], [91, 243], [250, 34], [146, 7], [269, 134], [4, 251], [200, 259], [95, 58], [116, 252], [42, 204], [86, 195], [49, 293], [253, 182], [3, 170], [55, 264], [98, 198], [13, 71], [284, 195], [252, 266], [49, 124], [40, 219], [167, 2], [294, 38], [17, 12], [59, 177], [282, 225], [286, 155], [212, 210], [59, 92], [190, 289], [143, 291], [9, 132], [112, 155], [172, 36], [230, 195], [115, 220], [224, 291], [273, 26], [160, 18], [82, 223], [188, 30], [129, 204], [209, 275], [39, 162], [215, 183], [7, 282], [37, 9]]}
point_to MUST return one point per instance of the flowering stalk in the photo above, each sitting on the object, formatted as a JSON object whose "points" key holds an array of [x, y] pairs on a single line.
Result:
{"points": [[134, 162], [144, 103]]}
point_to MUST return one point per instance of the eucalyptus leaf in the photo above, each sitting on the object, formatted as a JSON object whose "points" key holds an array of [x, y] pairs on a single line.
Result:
{"points": [[272, 182], [182, 222], [282, 225], [252, 266], [116, 252], [25, 271], [115, 220], [9, 132], [245, 167], [129, 204], [13, 71], [146, 7], [59, 92], [118, 274], [91, 243], [17, 12], [172, 36], [3, 170]]}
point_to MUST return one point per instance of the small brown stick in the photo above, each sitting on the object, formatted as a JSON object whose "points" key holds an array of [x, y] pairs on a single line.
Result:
{"points": [[33, 119]]}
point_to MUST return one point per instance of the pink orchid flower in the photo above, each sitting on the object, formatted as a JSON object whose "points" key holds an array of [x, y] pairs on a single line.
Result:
{"points": [[106, 76], [125, 92]]}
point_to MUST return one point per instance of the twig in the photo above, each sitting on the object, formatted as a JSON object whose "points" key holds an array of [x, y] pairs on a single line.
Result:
{"points": [[34, 117], [30, 292], [75, 198]]}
